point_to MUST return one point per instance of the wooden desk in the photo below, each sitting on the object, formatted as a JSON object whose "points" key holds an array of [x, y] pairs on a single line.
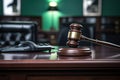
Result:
{"points": [[103, 64]]}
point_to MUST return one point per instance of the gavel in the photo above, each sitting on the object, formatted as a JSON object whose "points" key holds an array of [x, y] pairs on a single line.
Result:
{"points": [[75, 35]]}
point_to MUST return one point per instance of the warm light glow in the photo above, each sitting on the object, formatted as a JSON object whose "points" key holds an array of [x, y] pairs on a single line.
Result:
{"points": [[53, 4]]}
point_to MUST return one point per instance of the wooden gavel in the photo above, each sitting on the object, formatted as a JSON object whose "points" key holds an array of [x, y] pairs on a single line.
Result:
{"points": [[75, 34]]}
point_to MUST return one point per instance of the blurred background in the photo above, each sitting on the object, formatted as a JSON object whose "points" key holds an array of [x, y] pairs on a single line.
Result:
{"points": [[100, 18]]}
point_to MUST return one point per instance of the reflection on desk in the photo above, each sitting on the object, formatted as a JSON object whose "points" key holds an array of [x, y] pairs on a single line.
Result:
{"points": [[98, 52], [32, 56]]}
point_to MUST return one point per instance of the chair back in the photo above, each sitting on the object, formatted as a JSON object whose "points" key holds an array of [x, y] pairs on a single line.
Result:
{"points": [[15, 32]]}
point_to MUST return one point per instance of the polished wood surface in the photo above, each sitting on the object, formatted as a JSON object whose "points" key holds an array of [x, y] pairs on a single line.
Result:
{"points": [[102, 64], [100, 55]]}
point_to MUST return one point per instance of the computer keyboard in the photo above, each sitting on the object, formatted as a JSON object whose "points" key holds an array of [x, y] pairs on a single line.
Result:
{"points": [[28, 46]]}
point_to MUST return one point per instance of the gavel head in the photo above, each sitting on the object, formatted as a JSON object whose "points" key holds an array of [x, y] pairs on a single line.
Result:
{"points": [[74, 35]]}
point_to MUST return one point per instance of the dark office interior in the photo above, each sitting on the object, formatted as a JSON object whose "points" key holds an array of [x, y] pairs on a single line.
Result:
{"points": [[59, 39]]}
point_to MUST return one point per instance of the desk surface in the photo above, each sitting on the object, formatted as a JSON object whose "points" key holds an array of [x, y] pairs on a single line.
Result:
{"points": [[103, 64], [101, 57]]}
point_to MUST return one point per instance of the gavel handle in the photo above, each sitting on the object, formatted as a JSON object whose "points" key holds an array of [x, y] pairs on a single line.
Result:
{"points": [[100, 42]]}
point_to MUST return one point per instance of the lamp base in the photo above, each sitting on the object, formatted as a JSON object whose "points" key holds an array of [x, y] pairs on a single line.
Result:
{"points": [[74, 52]]}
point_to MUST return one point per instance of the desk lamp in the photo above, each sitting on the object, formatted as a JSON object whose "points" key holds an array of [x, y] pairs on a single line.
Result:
{"points": [[52, 7]]}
